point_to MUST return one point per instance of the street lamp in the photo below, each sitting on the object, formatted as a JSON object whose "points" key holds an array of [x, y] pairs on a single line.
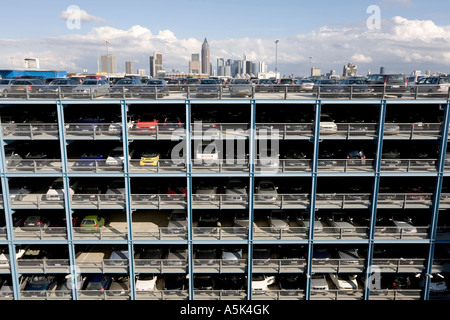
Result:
{"points": [[276, 55]]}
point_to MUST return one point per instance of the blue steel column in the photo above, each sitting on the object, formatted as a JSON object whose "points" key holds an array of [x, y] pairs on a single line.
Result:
{"points": [[374, 199], [436, 202], [189, 199], [251, 187], [8, 220], [67, 206], [313, 199], [123, 108]]}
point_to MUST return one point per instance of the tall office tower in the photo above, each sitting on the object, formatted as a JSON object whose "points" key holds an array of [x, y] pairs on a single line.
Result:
{"points": [[206, 58], [194, 64], [156, 64], [129, 67], [220, 66], [248, 67], [108, 63]]}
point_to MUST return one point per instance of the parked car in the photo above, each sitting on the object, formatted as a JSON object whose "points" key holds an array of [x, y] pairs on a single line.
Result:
{"points": [[231, 255], [290, 283], [341, 222], [433, 86], [319, 284], [155, 88], [56, 190], [22, 87], [57, 88], [207, 88], [92, 223], [174, 282], [303, 220], [35, 222], [5, 87], [88, 160], [235, 190], [264, 85], [177, 222], [278, 221], [39, 285], [344, 281], [147, 122], [127, 87], [328, 87], [395, 84], [261, 255], [98, 283], [358, 87], [266, 190], [327, 124], [146, 282], [149, 157], [240, 221], [91, 88], [437, 283], [177, 255], [116, 157], [241, 88], [116, 190], [205, 191], [261, 282]]}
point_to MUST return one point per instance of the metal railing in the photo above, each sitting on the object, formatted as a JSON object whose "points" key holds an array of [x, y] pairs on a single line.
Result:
{"points": [[184, 91], [43, 265]]}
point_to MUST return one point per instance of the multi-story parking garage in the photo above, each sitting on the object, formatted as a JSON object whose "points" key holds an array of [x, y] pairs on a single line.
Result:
{"points": [[225, 199]]}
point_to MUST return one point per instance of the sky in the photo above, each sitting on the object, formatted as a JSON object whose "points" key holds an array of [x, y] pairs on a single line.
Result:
{"points": [[400, 35]]}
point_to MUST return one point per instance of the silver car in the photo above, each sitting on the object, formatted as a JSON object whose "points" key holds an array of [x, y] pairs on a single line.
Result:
{"points": [[177, 222], [266, 191], [236, 190], [241, 88], [278, 221], [5, 87], [91, 88]]}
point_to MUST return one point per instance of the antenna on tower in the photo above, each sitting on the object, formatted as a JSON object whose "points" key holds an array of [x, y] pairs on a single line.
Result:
{"points": [[106, 44]]}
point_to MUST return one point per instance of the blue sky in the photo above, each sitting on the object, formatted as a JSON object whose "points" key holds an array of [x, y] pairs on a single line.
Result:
{"points": [[232, 27]]}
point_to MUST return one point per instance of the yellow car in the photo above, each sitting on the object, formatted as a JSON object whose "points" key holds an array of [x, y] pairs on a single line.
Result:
{"points": [[149, 158]]}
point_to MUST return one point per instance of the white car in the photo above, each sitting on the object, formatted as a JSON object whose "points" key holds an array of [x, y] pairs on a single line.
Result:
{"points": [[344, 281], [303, 219], [319, 284], [266, 190], [261, 282], [278, 221], [116, 157], [327, 124], [235, 190], [146, 282], [56, 190]]}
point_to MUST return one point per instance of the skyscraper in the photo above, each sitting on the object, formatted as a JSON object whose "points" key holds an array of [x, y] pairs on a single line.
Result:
{"points": [[206, 63], [156, 64], [129, 67], [194, 64], [108, 63]]}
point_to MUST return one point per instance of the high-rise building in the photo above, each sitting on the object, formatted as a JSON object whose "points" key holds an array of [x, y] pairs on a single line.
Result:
{"points": [[206, 63], [156, 64], [194, 64], [350, 70], [129, 67], [108, 63], [220, 66]]}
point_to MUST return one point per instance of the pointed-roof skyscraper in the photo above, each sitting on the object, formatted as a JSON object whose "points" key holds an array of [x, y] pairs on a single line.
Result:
{"points": [[206, 58]]}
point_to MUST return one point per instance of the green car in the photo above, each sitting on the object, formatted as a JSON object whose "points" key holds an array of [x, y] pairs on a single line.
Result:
{"points": [[92, 223]]}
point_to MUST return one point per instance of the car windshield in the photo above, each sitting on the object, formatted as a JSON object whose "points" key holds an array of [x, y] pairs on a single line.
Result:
{"points": [[146, 276], [235, 185], [148, 117], [154, 82], [266, 185], [89, 82], [116, 153], [88, 221], [94, 286], [178, 217], [125, 81], [4, 82], [241, 81], [396, 78], [208, 81], [57, 185], [150, 153]]}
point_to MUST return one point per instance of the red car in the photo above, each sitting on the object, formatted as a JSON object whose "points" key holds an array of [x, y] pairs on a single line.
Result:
{"points": [[147, 122]]}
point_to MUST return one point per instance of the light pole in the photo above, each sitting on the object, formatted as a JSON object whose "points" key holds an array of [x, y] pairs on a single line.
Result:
{"points": [[310, 65], [276, 55]]}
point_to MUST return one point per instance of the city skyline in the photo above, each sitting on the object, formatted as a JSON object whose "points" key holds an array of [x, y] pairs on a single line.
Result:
{"points": [[412, 35]]}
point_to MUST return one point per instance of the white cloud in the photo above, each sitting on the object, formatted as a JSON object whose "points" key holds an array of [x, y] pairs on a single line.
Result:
{"points": [[358, 57], [74, 13], [401, 44]]}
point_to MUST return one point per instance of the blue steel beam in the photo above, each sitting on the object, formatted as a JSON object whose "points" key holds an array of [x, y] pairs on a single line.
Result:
{"points": [[8, 219], [313, 198], [251, 191], [436, 201], [67, 200], [189, 199], [126, 166], [374, 198]]}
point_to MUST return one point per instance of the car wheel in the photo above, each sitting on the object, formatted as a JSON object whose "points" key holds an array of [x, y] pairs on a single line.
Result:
{"points": [[5, 93], [95, 94]]}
